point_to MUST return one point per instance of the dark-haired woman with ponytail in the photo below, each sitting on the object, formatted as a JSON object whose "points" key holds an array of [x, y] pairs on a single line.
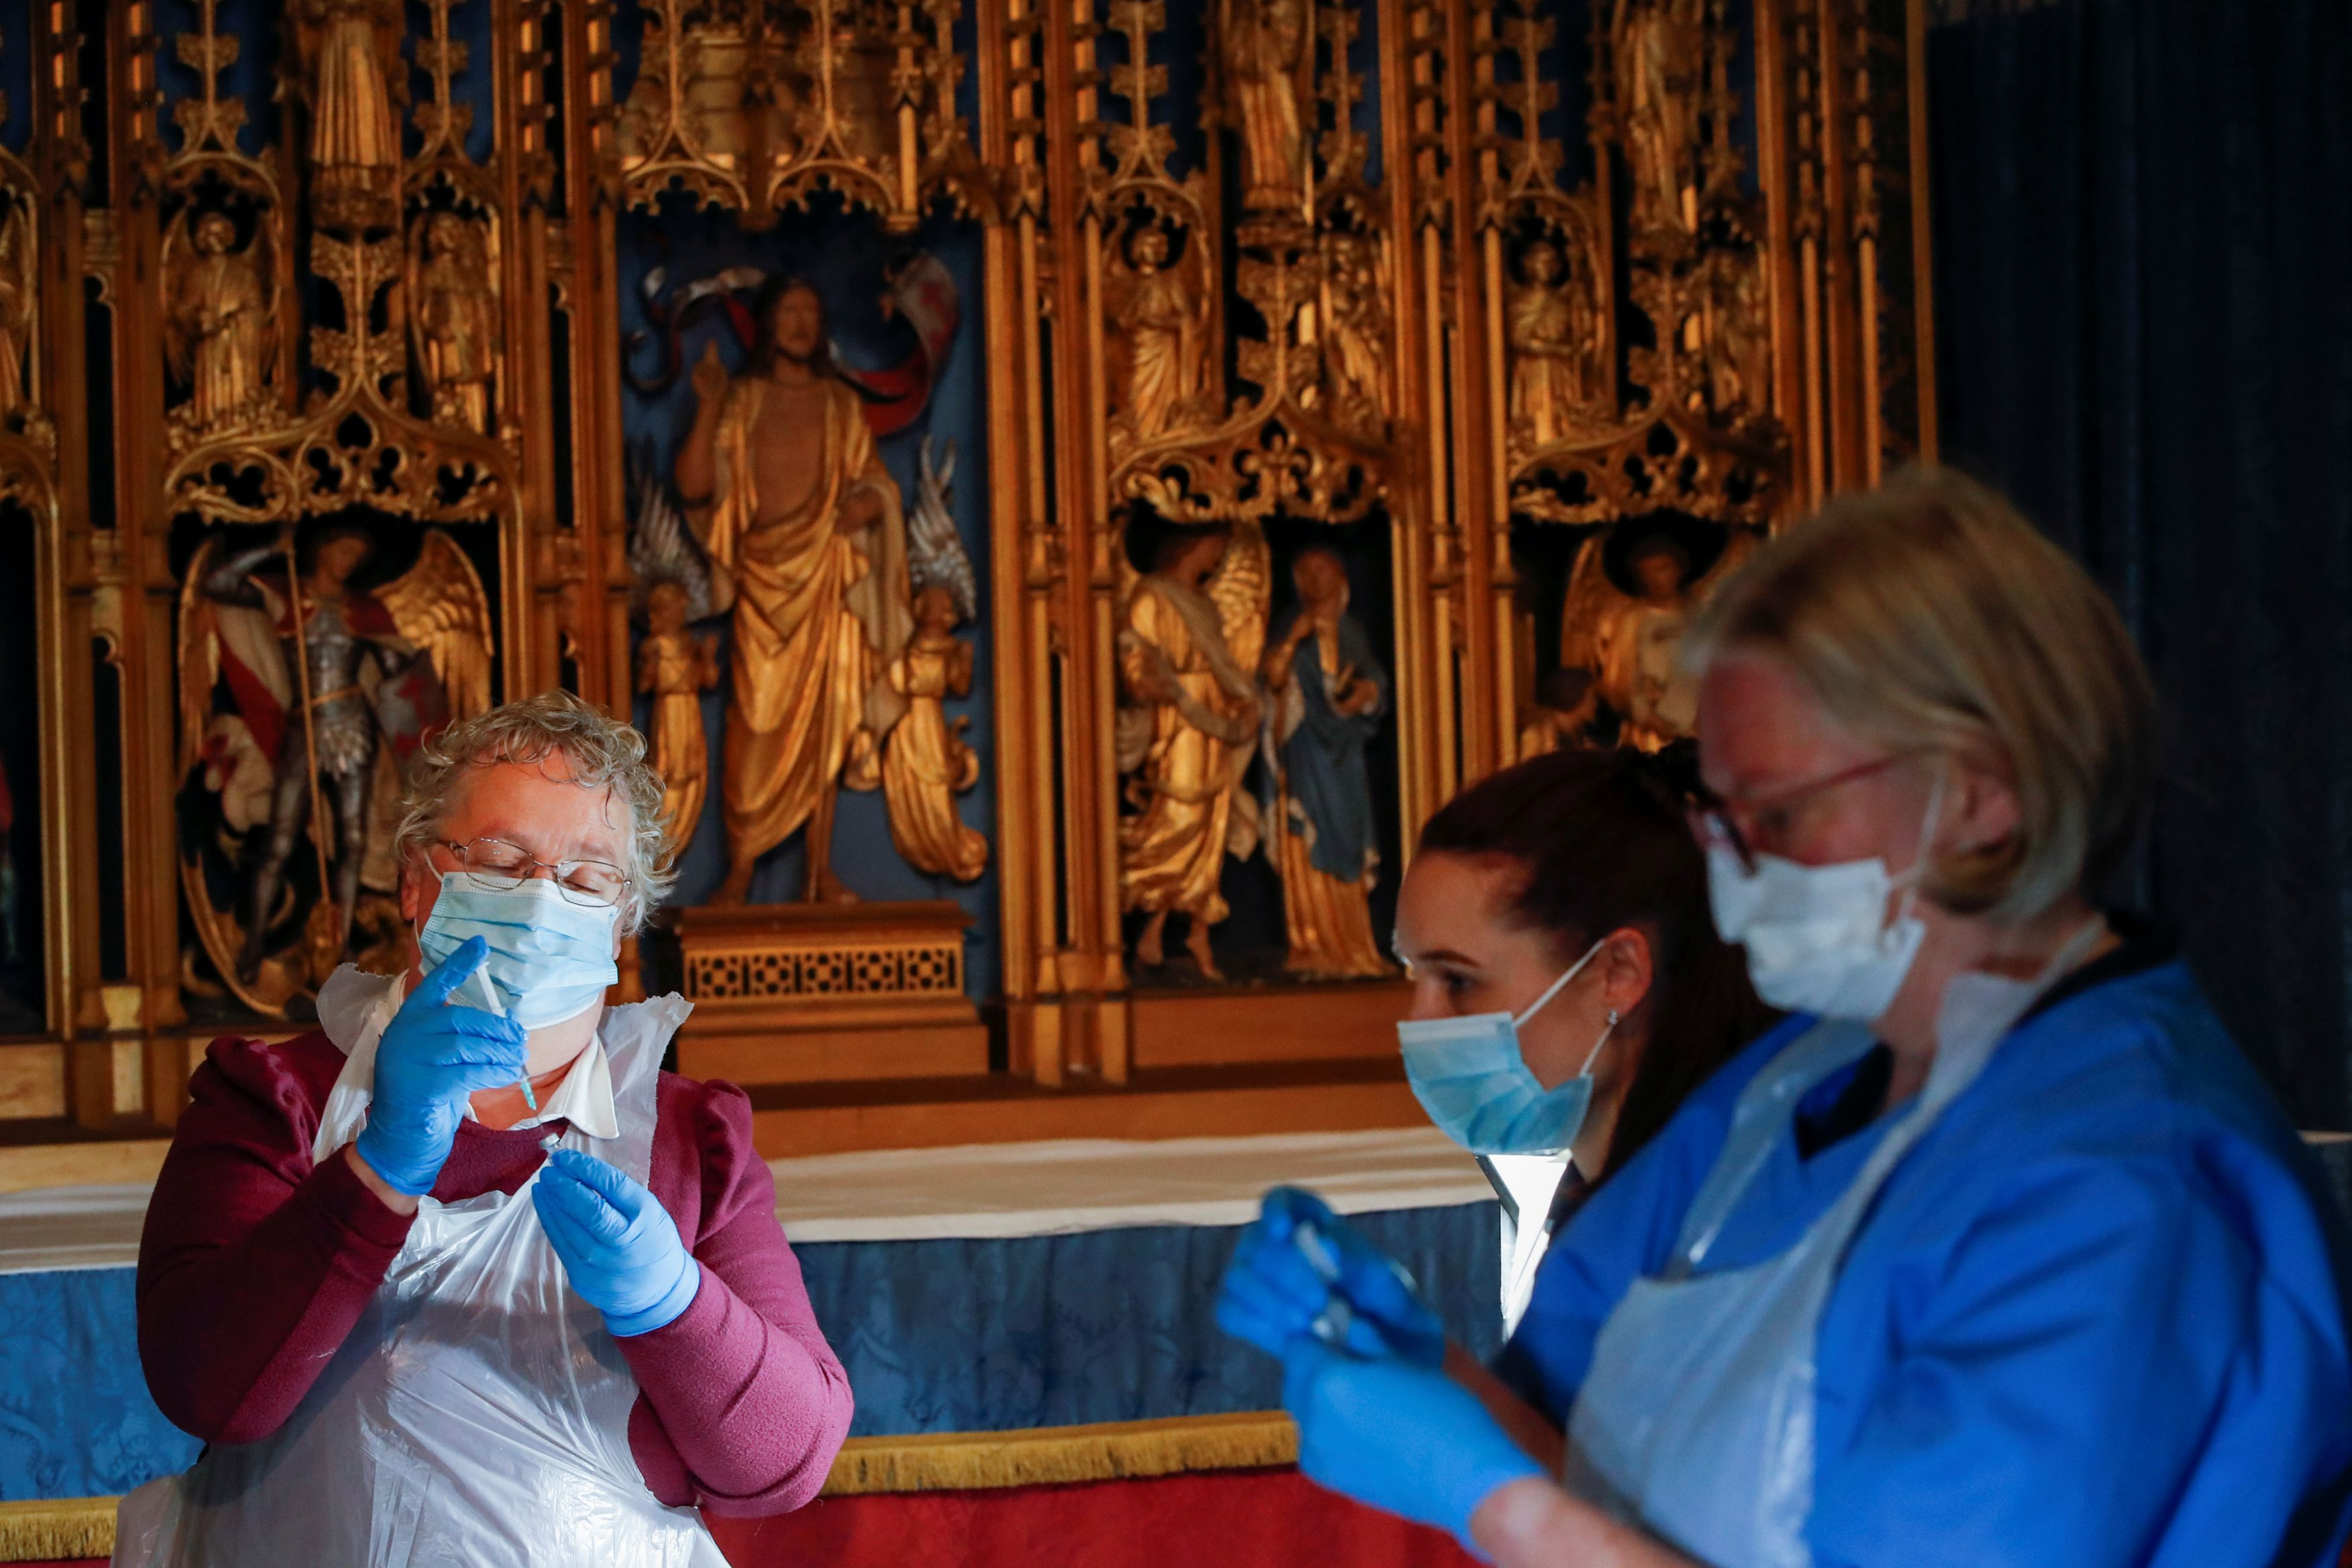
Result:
{"points": [[1569, 992]]}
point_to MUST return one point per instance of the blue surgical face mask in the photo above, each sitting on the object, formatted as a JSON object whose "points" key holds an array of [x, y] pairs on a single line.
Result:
{"points": [[1469, 1075], [550, 959]]}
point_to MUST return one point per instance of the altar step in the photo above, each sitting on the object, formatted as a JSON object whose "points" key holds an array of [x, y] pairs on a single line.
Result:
{"points": [[1338, 1096]]}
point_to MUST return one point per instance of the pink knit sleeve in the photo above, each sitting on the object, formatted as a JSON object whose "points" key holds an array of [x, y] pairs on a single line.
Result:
{"points": [[742, 1388]]}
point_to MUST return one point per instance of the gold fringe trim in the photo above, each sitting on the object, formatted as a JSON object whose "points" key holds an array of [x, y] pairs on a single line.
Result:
{"points": [[68, 1527], [1060, 1456]]}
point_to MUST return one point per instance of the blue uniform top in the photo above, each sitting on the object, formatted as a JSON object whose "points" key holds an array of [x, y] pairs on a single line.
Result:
{"points": [[2097, 1316]]}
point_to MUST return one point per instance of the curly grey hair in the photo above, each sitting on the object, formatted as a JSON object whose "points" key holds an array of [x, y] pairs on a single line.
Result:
{"points": [[604, 754]]}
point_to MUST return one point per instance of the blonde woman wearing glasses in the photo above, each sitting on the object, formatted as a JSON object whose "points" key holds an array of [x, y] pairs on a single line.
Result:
{"points": [[1997, 1252], [462, 1274]]}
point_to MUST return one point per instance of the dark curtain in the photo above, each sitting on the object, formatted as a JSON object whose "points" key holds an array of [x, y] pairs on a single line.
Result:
{"points": [[2143, 272]]}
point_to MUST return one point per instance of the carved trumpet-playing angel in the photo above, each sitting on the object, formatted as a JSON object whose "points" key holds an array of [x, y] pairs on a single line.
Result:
{"points": [[299, 686], [1629, 641]]}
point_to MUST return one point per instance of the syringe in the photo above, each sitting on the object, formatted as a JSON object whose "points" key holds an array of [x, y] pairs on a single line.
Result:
{"points": [[480, 980], [1332, 1323]]}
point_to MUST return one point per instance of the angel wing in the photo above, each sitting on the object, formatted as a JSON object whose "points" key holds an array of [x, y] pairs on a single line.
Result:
{"points": [[199, 661], [439, 606], [1594, 604], [935, 553], [662, 548], [179, 347], [1242, 587]]}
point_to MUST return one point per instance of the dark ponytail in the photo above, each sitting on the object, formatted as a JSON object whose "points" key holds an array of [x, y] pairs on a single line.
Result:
{"points": [[1603, 842]]}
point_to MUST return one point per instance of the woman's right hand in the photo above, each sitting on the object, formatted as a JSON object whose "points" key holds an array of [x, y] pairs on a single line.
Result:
{"points": [[433, 1055], [1273, 1296]]}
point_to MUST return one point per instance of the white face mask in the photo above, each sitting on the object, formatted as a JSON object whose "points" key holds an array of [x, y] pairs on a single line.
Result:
{"points": [[1818, 938]]}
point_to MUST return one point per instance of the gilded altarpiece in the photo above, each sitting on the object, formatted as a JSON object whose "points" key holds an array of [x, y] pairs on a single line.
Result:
{"points": [[1064, 488]]}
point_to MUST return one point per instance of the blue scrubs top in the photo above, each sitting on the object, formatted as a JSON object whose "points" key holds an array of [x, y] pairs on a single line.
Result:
{"points": [[2096, 1316]]}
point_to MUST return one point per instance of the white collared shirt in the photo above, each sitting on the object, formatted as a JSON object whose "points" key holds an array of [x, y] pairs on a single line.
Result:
{"points": [[353, 1008]]}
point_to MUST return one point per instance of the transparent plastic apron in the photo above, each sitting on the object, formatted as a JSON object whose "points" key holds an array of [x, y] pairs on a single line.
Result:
{"points": [[478, 1412], [1696, 1421]]}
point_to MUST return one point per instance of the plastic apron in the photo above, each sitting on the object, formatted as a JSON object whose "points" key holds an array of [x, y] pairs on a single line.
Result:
{"points": [[1696, 1420], [478, 1412]]}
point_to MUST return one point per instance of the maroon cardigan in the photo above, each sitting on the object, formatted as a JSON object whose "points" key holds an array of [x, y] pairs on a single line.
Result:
{"points": [[254, 1265]]}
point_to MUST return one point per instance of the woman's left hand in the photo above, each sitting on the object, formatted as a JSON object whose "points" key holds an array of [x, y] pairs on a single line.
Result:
{"points": [[1398, 1437], [618, 1245]]}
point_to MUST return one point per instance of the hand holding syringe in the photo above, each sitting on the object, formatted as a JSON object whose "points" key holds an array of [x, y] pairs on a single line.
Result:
{"points": [[480, 980]]}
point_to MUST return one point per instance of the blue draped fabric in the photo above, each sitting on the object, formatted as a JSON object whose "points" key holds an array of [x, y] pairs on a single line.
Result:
{"points": [[2144, 333], [938, 1336], [1104, 1325], [75, 1416]]}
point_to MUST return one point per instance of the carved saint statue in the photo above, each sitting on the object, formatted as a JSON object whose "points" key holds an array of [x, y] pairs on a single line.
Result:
{"points": [[1330, 694], [16, 304], [1162, 325], [1261, 43], [299, 686], [676, 667], [1630, 643], [341, 627], [807, 543], [454, 320], [217, 325], [1188, 727], [1553, 330], [1661, 64], [926, 763], [1355, 341], [1739, 337], [356, 81]]}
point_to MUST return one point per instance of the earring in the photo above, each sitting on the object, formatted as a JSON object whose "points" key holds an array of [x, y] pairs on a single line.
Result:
{"points": [[1612, 1017]]}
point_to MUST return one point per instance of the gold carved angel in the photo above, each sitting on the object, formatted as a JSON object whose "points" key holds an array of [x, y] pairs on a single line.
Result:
{"points": [[354, 83], [1261, 44], [1191, 632], [1354, 329], [1659, 50], [220, 323], [1630, 642], [1553, 331], [305, 690], [16, 302], [453, 320], [1157, 317]]}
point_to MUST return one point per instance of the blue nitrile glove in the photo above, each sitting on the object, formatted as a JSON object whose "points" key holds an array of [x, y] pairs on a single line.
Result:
{"points": [[433, 1055], [618, 1243], [1275, 1293], [1398, 1437]]}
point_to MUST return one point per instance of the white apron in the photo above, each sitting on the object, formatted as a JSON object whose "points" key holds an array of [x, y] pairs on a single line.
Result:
{"points": [[1696, 1421], [478, 1412]]}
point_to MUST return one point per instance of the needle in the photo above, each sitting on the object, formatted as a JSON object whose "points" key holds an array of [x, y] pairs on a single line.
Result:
{"points": [[492, 1005], [1332, 1323]]}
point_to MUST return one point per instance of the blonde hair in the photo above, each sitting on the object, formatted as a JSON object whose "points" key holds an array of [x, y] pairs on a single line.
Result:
{"points": [[1928, 617], [604, 753]]}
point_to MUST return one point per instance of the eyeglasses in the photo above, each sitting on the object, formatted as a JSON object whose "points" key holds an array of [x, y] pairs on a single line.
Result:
{"points": [[1752, 828], [504, 865]]}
